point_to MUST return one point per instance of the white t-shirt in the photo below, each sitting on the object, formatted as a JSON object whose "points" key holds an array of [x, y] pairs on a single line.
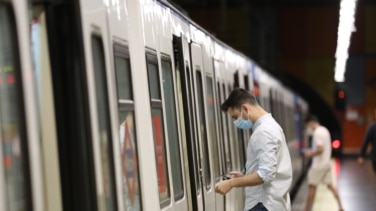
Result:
{"points": [[321, 137]]}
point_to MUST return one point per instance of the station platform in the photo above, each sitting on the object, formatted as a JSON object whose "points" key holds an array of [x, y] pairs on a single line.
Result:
{"points": [[356, 186]]}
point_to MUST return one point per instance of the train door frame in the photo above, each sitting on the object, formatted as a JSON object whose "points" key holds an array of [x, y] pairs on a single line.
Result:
{"points": [[46, 105], [178, 200], [95, 25], [71, 103], [182, 46], [206, 189], [211, 110], [218, 68]]}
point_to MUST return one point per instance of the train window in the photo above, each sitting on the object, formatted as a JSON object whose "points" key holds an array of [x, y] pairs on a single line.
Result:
{"points": [[232, 135], [228, 144], [123, 74], [172, 129], [246, 82], [12, 122], [104, 124], [221, 130], [202, 128], [236, 79], [127, 131], [241, 147], [212, 125], [154, 81], [158, 130]]}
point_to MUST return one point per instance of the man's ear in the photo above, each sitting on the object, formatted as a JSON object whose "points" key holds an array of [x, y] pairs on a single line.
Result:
{"points": [[245, 108]]}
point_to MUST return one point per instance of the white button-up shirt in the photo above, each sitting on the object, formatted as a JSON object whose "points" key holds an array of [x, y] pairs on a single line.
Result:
{"points": [[268, 155]]}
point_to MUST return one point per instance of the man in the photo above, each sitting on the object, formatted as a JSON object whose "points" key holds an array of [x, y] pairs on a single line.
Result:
{"points": [[268, 168], [320, 170], [370, 137]]}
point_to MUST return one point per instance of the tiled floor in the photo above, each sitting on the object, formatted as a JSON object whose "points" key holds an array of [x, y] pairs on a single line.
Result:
{"points": [[356, 186]]}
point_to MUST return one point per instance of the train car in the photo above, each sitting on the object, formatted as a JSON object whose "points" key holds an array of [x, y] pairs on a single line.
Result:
{"points": [[115, 105]]}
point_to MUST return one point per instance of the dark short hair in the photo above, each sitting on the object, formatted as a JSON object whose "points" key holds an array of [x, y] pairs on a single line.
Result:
{"points": [[311, 118], [238, 97]]}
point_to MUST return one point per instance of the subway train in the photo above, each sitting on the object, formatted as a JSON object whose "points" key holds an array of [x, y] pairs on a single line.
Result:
{"points": [[115, 105]]}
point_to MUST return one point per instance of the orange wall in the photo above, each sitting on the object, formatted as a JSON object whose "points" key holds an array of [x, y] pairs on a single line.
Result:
{"points": [[353, 130]]}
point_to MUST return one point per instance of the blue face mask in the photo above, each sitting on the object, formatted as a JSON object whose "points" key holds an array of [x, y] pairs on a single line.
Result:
{"points": [[242, 123]]}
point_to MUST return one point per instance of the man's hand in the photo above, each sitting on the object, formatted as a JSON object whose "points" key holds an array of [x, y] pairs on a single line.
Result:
{"points": [[308, 153], [223, 187]]}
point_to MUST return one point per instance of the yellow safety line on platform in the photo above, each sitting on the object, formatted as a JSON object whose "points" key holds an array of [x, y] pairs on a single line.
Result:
{"points": [[324, 199]]}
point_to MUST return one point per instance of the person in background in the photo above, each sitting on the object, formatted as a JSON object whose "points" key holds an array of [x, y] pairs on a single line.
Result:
{"points": [[268, 175], [320, 169], [370, 137]]}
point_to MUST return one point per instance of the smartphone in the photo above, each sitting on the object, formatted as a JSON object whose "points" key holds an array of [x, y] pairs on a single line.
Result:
{"points": [[226, 176]]}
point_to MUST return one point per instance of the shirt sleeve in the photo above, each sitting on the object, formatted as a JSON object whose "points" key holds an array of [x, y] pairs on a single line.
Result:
{"points": [[266, 154], [318, 137]]}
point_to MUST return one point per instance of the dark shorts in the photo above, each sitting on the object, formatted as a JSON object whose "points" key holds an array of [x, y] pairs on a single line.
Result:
{"points": [[258, 207]]}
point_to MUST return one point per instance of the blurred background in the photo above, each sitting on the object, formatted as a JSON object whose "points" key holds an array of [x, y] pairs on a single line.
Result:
{"points": [[296, 41]]}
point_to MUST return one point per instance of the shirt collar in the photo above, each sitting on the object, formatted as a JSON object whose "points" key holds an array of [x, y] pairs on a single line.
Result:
{"points": [[261, 120]]}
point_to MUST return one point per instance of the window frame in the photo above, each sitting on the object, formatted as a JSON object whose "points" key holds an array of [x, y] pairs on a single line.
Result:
{"points": [[24, 140], [151, 58], [110, 147], [167, 59], [127, 105]]}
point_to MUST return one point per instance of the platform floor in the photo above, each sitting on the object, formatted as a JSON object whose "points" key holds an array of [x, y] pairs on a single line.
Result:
{"points": [[356, 186]]}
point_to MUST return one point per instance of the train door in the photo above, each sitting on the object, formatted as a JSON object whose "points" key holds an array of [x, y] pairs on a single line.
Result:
{"points": [[213, 131], [186, 103], [205, 190], [222, 139], [21, 186], [100, 91]]}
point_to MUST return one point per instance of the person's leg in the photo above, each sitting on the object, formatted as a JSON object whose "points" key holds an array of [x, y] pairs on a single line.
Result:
{"points": [[336, 195], [310, 197]]}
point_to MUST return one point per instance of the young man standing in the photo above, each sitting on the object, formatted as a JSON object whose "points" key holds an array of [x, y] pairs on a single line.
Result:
{"points": [[268, 173], [320, 170]]}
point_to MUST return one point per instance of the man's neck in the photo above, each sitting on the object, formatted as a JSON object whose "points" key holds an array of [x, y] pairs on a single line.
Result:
{"points": [[259, 112]]}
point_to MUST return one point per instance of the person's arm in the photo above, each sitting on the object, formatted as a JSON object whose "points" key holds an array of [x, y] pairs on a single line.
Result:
{"points": [[319, 138], [244, 181], [366, 140], [318, 151], [248, 180], [266, 150]]}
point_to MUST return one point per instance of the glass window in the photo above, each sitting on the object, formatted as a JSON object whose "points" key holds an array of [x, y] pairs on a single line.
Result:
{"points": [[123, 78], [172, 125], [196, 155], [104, 124], [127, 131], [160, 152], [221, 130], [227, 130], [158, 131], [241, 147], [212, 125], [154, 81], [129, 161], [202, 128], [12, 128], [232, 136]]}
